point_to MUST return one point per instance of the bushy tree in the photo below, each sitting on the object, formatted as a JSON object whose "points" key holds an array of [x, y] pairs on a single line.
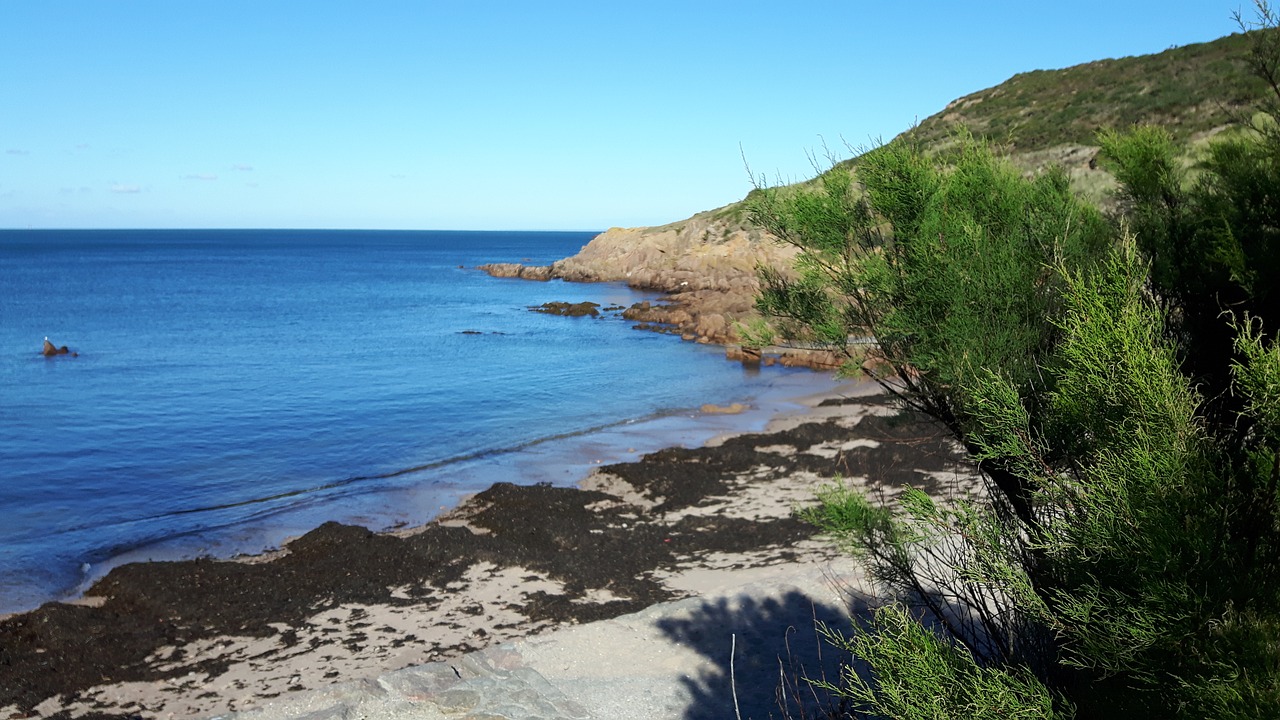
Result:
{"points": [[1118, 388]]}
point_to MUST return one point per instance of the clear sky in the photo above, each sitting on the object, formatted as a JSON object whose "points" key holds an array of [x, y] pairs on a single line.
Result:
{"points": [[470, 114]]}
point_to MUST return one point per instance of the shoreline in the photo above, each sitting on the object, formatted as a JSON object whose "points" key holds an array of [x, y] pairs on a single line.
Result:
{"points": [[204, 637], [561, 461]]}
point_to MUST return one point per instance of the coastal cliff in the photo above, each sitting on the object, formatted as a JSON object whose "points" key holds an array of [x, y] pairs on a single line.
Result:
{"points": [[707, 265]]}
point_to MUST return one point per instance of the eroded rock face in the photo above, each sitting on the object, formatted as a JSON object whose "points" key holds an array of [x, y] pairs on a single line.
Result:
{"points": [[707, 265], [698, 254], [516, 270]]}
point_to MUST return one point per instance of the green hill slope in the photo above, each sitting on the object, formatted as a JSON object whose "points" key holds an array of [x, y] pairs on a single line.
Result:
{"points": [[1193, 90], [1052, 117], [1045, 117]]}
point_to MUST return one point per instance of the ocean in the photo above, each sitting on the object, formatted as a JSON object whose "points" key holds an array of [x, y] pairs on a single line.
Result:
{"points": [[234, 388]]}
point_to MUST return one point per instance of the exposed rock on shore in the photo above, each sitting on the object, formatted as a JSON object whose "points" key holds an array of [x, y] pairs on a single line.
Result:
{"points": [[708, 267], [706, 264], [567, 309], [814, 358], [516, 270]]}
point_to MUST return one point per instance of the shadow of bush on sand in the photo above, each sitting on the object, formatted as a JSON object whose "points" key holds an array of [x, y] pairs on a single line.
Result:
{"points": [[760, 655]]}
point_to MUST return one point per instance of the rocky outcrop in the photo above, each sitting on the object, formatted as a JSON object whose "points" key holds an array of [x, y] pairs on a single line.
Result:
{"points": [[786, 356], [567, 309], [708, 252], [516, 270], [49, 350], [707, 265]]}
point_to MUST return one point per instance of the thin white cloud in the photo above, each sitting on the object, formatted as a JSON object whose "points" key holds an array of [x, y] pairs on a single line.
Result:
{"points": [[200, 176], [125, 189], [242, 167]]}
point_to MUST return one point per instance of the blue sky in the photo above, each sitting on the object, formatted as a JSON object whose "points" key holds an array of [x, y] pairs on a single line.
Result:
{"points": [[491, 115]]}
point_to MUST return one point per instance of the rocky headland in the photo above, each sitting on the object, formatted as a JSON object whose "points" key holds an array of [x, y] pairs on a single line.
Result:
{"points": [[1041, 119], [708, 267]]}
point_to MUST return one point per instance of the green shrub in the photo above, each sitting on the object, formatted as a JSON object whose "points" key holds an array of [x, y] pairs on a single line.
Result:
{"points": [[1118, 387]]}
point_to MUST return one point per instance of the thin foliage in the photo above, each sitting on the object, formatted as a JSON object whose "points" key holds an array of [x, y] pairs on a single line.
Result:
{"points": [[1118, 385]]}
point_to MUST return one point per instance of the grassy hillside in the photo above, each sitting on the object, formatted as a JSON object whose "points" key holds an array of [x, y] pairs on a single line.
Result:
{"points": [[1192, 90], [1052, 117]]}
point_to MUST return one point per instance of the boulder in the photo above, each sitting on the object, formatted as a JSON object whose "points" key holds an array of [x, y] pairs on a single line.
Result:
{"points": [[48, 349], [568, 309], [516, 270], [746, 355]]}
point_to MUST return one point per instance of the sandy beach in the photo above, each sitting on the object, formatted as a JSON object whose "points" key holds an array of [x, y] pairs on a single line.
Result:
{"points": [[209, 637]]}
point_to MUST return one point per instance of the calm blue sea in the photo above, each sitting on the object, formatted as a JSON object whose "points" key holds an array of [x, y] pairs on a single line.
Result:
{"points": [[235, 388]]}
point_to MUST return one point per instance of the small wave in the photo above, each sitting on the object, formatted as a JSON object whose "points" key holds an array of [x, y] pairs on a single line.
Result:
{"points": [[433, 465], [357, 480], [176, 544]]}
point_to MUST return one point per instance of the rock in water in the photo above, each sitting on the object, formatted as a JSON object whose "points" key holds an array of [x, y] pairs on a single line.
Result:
{"points": [[566, 309], [48, 349]]}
